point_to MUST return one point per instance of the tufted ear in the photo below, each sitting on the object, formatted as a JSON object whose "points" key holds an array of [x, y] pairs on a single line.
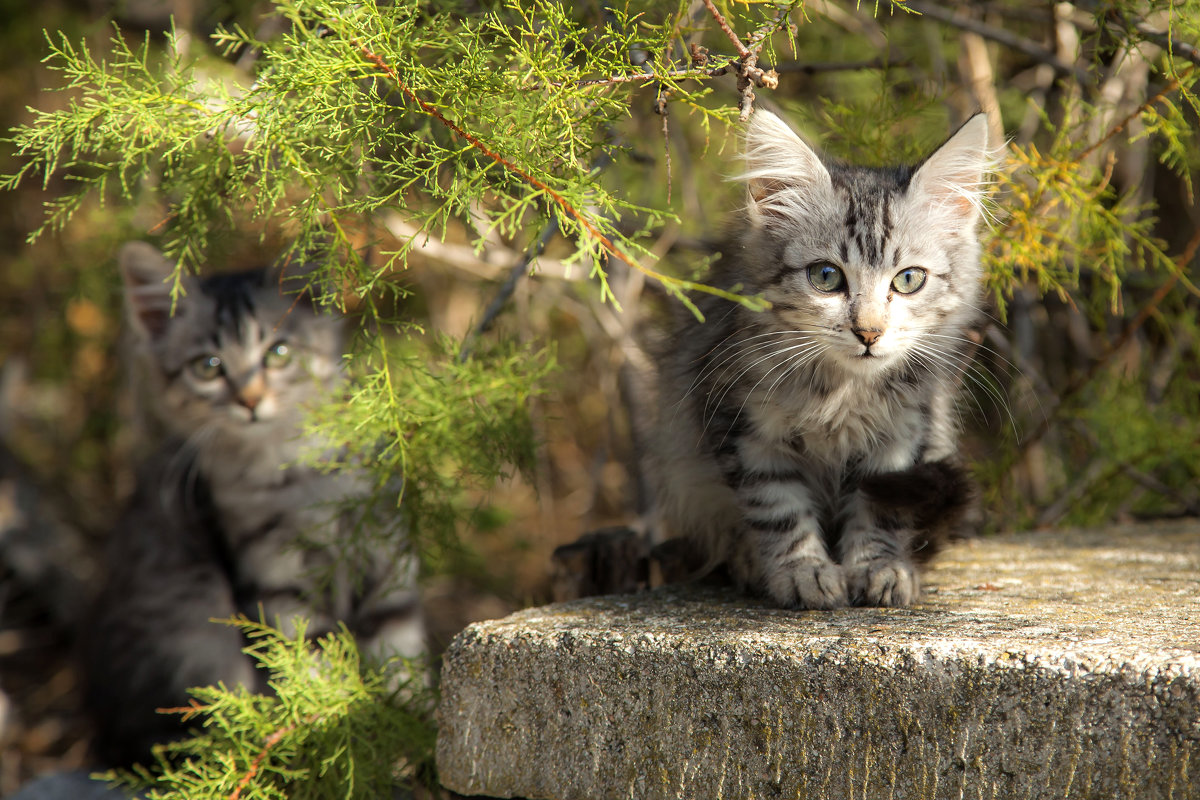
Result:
{"points": [[781, 170], [145, 272], [954, 176]]}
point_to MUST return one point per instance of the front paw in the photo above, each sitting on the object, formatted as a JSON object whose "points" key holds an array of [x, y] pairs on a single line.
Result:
{"points": [[808, 583], [884, 582]]}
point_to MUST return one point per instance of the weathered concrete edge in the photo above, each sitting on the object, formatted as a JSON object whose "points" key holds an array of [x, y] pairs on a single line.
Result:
{"points": [[519, 711]]}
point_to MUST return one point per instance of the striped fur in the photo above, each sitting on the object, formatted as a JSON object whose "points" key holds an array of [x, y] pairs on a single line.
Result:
{"points": [[224, 521], [785, 433]]}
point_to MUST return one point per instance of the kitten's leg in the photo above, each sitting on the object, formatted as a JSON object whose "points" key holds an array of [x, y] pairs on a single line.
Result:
{"points": [[879, 569], [781, 551]]}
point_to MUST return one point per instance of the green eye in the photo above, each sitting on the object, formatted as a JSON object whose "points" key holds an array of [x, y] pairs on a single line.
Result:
{"points": [[206, 368], [909, 280], [278, 356], [826, 277]]}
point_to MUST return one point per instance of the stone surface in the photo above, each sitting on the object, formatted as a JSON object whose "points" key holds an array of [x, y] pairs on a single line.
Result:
{"points": [[1056, 664]]}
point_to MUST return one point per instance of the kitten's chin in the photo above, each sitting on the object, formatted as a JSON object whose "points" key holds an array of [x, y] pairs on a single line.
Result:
{"points": [[867, 362]]}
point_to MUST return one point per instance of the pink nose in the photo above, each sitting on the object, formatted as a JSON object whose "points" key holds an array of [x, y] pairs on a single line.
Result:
{"points": [[868, 337], [250, 399]]}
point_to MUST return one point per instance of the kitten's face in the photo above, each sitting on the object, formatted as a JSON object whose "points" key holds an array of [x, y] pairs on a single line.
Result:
{"points": [[869, 268], [238, 359]]}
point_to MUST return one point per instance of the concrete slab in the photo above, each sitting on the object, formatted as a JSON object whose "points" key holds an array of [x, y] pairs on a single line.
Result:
{"points": [[1042, 665]]}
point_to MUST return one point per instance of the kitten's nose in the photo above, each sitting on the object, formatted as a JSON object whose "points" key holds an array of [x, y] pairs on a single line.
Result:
{"points": [[868, 336], [252, 393], [249, 399]]}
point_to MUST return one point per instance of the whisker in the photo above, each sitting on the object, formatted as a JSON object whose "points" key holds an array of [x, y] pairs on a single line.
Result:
{"points": [[736, 350], [774, 353], [978, 345], [759, 347], [801, 361], [805, 348], [977, 375]]}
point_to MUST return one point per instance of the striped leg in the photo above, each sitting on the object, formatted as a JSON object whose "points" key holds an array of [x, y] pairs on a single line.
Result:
{"points": [[782, 551], [879, 569]]}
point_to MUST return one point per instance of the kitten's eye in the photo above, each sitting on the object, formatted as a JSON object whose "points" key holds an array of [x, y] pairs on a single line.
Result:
{"points": [[206, 368], [909, 280], [826, 277], [278, 356]]}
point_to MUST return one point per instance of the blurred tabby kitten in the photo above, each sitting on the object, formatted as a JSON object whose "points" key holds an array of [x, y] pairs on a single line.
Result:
{"points": [[223, 520], [811, 448]]}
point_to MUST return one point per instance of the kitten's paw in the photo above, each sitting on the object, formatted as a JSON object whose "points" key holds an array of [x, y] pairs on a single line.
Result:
{"points": [[884, 582], [807, 583]]}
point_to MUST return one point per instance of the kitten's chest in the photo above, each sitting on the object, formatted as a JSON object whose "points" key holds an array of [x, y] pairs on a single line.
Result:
{"points": [[849, 423], [275, 506]]}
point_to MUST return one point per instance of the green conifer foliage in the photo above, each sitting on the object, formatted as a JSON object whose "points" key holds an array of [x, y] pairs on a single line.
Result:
{"points": [[333, 727], [360, 133]]}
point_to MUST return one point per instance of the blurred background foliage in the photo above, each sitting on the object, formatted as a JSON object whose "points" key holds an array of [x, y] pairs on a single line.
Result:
{"points": [[1083, 401]]}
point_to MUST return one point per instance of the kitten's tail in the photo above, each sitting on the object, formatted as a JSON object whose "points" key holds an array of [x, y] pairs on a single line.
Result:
{"points": [[937, 498]]}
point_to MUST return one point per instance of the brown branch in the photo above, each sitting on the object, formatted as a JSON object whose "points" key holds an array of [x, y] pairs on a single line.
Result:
{"points": [[1171, 86], [185, 712], [272, 740], [1151, 306], [1163, 39], [676, 74], [605, 242], [1045, 207], [162, 222], [1173, 46], [1004, 37], [759, 37], [748, 72], [475, 142], [742, 50], [731, 64], [194, 708], [814, 67]]}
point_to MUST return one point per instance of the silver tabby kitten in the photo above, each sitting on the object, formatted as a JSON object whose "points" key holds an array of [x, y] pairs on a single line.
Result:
{"points": [[223, 520], [811, 447]]}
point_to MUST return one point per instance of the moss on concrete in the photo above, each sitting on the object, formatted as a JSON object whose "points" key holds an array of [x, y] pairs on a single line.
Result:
{"points": [[1062, 664]]}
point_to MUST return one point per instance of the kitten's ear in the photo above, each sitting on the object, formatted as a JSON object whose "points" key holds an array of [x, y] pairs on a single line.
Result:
{"points": [[781, 170], [954, 176], [144, 271]]}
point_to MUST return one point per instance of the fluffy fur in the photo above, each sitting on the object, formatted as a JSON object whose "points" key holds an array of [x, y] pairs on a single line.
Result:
{"points": [[223, 520], [811, 448]]}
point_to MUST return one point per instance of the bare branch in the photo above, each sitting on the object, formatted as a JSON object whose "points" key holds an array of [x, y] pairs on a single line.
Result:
{"points": [[489, 265], [1171, 86], [1163, 39], [1176, 47], [814, 67], [742, 50], [1004, 37], [518, 271], [1148, 310], [605, 243]]}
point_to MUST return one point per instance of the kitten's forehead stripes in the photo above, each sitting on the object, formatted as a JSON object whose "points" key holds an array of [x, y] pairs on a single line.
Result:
{"points": [[233, 305], [869, 221]]}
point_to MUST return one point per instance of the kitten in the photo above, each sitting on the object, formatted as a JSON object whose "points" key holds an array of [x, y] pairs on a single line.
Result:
{"points": [[811, 447], [224, 521]]}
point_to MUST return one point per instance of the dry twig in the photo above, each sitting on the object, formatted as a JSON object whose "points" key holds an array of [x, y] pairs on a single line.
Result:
{"points": [[748, 72], [1004, 37]]}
